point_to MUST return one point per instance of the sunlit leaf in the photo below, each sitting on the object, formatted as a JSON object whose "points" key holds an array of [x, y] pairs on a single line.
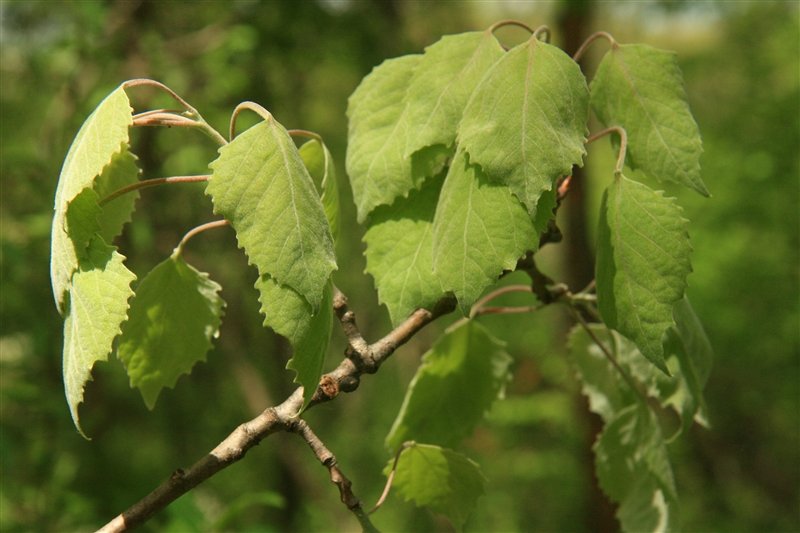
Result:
{"points": [[525, 124], [260, 184], [641, 89], [440, 479], [459, 379], [290, 315], [480, 229], [103, 135], [96, 307], [400, 252], [442, 83], [172, 319], [319, 162], [376, 141], [642, 263]]}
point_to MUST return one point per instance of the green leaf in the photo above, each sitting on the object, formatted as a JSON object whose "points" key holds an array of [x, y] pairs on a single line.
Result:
{"points": [[319, 162], [121, 172], [260, 184], [525, 124], [96, 307], [103, 135], [642, 263], [290, 315], [172, 319], [442, 83], [440, 479], [641, 89], [376, 138], [479, 230], [400, 252], [459, 379], [633, 469], [631, 458]]}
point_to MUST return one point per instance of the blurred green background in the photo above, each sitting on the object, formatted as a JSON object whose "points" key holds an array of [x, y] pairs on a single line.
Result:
{"points": [[301, 60]]}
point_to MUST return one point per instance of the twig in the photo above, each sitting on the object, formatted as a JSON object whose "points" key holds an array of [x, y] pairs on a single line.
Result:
{"points": [[345, 378], [328, 460]]}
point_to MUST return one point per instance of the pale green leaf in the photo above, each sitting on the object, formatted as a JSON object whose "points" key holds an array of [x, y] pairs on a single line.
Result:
{"points": [[376, 140], [459, 379], [480, 229], [176, 312], [642, 263], [442, 480], [641, 89], [442, 83], [103, 135], [290, 315], [400, 252], [319, 162], [525, 124], [96, 307], [633, 469], [121, 172], [260, 184]]}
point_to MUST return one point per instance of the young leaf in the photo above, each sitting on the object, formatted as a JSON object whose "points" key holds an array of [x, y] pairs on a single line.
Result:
{"points": [[319, 162], [525, 124], [103, 135], [479, 230], [376, 137], [260, 184], [442, 83], [440, 479], [641, 89], [121, 172], [290, 315], [400, 252], [172, 319], [642, 264], [96, 307], [633, 469], [457, 382]]}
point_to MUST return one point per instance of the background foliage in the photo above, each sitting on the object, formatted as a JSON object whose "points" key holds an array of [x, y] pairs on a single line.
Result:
{"points": [[301, 60]]}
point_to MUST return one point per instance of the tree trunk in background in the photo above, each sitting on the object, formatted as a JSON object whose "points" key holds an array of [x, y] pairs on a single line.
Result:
{"points": [[574, 21]]}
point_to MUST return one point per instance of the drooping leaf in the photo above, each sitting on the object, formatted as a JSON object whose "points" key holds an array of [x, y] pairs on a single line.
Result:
{"points": [[630, 455], [376, 137], [525, 124], [96, 307], [479, 230], [633, 469], [641, 89], [121, 172], [642, 263], [400, 252], [459, 379], [440, 479], [319, 162], [176, 312], [260, 184], [290, 315], [103, 135], [442, 83]]}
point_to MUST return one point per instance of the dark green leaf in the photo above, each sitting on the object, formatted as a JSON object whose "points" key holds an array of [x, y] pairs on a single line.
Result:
{"points": [[457, 382]]}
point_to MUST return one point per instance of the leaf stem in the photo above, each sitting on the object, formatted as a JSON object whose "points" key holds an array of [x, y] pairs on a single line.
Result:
{"points": [[307, 134], [477, 306], [510, 22], [144, 184], [623, 144], [589, 40], [199, 229], [390, 478], [192, 115], [543, 29], [258, 109]]}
